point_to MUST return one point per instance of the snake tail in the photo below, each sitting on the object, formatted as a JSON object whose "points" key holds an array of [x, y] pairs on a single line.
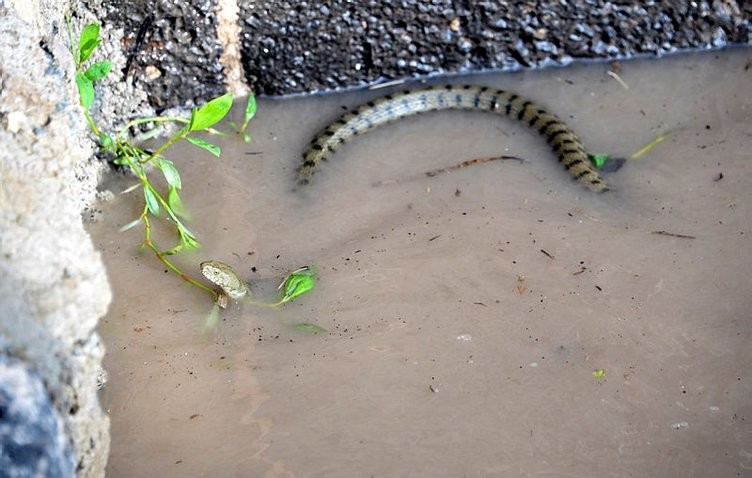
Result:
{"points": [[560, 137]]}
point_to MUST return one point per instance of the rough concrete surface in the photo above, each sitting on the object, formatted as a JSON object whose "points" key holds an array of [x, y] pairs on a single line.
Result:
{"points": [[173, 51], [295, 47], [54, 287]]}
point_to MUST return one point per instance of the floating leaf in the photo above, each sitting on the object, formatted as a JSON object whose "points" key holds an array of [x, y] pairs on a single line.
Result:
{"points": [[151, 201], [309, 328], [599, 373], [170, 172], [211, 113], [212, 148], [98, 70], [88, 42], [85, 90]]}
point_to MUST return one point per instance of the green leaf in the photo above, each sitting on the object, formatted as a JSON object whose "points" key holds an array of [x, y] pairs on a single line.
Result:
{"points": [[598, 160], [106, 141], [151, 201], [170, 172], [250, 109], [131, 225], [85, 90], [212, 148], [211, 113], [176, 204], [309, 328], [88, 42], [298, 283], [98, 70]]}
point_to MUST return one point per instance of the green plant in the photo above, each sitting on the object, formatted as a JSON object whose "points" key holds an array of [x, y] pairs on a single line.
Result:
{"points": [[142, 162]]}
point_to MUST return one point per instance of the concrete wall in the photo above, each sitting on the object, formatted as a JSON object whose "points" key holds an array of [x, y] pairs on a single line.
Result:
{"points": [[53, 286]]}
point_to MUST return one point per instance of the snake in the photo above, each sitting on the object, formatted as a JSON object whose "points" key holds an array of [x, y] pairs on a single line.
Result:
{"points": [[564, 142]]}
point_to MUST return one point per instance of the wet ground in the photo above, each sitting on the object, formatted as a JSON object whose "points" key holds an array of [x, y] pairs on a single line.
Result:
{"points": [[499, 320]]}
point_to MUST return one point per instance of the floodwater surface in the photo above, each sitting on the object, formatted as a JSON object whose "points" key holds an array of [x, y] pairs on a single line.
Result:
{"points": [[497, 320]]}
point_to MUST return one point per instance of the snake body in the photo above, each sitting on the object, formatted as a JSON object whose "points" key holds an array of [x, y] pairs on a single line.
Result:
{"points": [[563, 141]]}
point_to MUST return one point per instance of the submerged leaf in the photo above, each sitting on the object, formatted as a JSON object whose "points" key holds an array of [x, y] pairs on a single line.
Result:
{"points": [[309, 328], [130, 225]]}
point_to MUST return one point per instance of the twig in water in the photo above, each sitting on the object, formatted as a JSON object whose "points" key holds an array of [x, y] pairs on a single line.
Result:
{"points": [[671, 234], [464, 164]]}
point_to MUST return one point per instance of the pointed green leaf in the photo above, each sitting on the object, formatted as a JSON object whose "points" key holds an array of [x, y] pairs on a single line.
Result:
{"points": [[211, 112], [176, 204], [85, 90], [170, 172], [151, 201], [98, 70], [212, 148], [131, 225], [88, 42], [250, 109], [106, 141]]}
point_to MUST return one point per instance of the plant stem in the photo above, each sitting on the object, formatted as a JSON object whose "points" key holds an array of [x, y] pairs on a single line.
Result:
{"points": [[161, 256]]}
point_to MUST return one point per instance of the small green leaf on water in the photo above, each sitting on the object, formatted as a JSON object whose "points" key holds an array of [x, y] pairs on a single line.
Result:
{"points": [[131, 225], [212, 148], [170, 172], [88, 42], [98, 70], [211, 113], [598, 160], [85, 90], [309, 328], [298, 283], [151, 201], [599, 373]]}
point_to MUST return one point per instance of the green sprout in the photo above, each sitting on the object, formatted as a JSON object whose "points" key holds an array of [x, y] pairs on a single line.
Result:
{"points": [[599, 373], [142, 162], [297, 283], [250, 112]]}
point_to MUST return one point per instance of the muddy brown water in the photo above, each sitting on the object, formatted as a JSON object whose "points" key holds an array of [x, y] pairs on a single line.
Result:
{"points": [[456, 345]]}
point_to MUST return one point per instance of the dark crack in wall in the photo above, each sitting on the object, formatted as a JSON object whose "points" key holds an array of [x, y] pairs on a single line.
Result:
{"points": [[171, 47]]}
